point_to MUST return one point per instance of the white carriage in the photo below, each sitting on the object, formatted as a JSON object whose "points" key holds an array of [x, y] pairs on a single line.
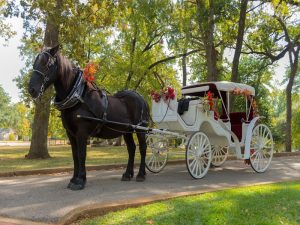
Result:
{"points": [[207, 136]]}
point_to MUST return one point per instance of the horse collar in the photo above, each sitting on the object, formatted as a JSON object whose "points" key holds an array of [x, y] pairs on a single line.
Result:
{"points": [[74, 97]]}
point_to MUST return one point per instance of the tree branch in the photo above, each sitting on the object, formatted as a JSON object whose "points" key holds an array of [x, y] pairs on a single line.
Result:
{"points": [[171, 58], [162, 61], [269, 55]]}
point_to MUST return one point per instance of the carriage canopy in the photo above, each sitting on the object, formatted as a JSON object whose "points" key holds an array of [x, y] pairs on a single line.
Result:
{"points": [[216, 86]]}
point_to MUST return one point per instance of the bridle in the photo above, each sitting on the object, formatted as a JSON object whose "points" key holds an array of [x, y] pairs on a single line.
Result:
{"points": [[50, 64]]}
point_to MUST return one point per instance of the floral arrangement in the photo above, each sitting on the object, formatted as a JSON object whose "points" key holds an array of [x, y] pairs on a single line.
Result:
{"points": [[89, 72], [167, 93], [238, 91]]}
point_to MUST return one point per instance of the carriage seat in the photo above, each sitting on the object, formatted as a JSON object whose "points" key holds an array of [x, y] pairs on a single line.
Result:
{"points": [[190, 115], [236, 120], [183, 105]]}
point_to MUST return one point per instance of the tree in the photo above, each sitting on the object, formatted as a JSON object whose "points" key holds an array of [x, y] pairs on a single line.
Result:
{"points": [[5, 109], [43, 21], [136, 58], [277, 34], [23, 120], [5, 29], [38, 147]]}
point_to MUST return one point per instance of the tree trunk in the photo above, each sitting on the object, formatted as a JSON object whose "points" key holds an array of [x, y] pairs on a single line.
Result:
{"points": [[207, 27], [38, 146], [184, 72], [294, 68], [239, 42]]}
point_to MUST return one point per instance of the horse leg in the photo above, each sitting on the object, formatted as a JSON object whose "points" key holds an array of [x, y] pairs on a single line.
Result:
{"points": [[143, 147], [131, 152], [75, 159], [79, 182]]}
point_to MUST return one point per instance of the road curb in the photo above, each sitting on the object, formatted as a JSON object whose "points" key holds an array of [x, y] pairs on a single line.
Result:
{"points": [[11, 221], [109, 167], [94, 210]]}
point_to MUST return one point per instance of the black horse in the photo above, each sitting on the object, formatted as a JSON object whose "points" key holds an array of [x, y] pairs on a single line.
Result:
{"points": [[75, 96]]}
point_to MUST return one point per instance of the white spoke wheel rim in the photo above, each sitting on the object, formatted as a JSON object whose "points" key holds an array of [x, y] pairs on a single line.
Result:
{"points": [[157, 154], [219, 155], [198, 155], [261, 148]]}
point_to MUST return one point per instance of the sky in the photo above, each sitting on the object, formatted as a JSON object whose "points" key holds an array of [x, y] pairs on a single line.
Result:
{"points": [[11, 62]]}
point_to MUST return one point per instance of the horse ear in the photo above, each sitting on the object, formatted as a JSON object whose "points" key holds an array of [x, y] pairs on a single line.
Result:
{"points": [[54, 50]]}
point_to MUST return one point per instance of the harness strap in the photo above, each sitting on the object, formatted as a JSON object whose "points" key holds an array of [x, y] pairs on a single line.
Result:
{"points": [[104, 95], [99, 127]]}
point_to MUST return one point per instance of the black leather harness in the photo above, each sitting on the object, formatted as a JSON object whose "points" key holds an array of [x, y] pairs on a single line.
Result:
{"points": [[74, 97]]}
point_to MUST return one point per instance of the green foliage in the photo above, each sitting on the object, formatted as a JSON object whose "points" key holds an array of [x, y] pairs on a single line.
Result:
{"points": [[56, 129], [11, 137], [24, 119], [246, 205], [138, 45], [15, 116], [5, 29], [6, 112]]}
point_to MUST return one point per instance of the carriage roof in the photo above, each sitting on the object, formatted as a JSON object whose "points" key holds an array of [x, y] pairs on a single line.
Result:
{"points": [[200, 88]]}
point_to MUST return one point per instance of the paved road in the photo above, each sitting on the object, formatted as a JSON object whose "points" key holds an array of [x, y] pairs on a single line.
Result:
{"points": [[45, 198]]}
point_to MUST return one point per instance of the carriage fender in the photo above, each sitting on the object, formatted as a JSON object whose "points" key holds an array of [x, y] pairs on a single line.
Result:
{"points": [[249, 135]]}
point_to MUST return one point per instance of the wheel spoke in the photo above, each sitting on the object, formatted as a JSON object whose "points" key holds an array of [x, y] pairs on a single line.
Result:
{"points": [[194, 166]]}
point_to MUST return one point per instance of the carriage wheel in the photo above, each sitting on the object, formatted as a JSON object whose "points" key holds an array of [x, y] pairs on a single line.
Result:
{"points": [[219, 155], [198, 155], [157, 157], [261, 148]]}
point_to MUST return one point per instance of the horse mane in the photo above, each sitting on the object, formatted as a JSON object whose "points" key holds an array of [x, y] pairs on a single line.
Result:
{"points": [[65, 69]]}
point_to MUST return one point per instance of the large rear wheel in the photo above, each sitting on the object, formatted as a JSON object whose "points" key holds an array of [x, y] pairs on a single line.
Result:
{"points": [[261, 148], [198, 155]]}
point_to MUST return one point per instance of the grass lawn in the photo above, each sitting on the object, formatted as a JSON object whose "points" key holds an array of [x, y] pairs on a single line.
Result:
{"points": [[13, 158], [264, 204]]}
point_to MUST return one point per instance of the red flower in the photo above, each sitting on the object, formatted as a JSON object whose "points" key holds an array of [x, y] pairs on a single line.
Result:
{"points": [[210, 100], [165, 94]]}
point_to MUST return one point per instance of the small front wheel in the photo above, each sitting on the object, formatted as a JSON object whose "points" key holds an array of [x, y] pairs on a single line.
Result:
{"points": [[198, 155], [156, 158]]}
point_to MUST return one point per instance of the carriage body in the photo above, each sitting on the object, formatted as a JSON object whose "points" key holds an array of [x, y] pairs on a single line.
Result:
{"points": [[208, 117]]}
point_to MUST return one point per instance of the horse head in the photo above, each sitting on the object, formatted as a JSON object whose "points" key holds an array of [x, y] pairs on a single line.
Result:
{"points": [[44, 72]]}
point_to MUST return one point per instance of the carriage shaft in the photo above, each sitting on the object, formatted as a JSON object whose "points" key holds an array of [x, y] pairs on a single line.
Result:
{"points": [[135, 127]]}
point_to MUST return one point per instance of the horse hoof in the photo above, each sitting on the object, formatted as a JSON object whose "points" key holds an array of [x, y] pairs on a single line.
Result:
{"points": [[75, 187], [140, 178], [126, 177], [69, 185]]}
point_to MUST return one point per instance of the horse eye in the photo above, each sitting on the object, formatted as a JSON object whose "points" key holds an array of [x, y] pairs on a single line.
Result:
{"points": [[44, 60]]}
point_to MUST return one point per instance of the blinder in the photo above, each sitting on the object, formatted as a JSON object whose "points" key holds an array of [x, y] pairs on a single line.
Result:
{"points": [[50, 66]]}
